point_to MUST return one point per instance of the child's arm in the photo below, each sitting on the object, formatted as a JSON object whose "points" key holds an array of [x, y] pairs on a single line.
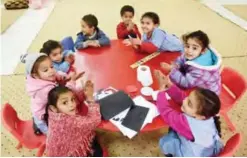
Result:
{"points": [[180, 60], [79, 43], [137, 32], [91, 120], [176, 120], [187, 80], [148, 47], [122, 31], [103, 39], [63, 66], [176, 94], [156, 41]]}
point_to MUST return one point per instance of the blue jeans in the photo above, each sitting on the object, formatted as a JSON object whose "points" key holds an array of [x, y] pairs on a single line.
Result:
{"points": [[41, 125]]}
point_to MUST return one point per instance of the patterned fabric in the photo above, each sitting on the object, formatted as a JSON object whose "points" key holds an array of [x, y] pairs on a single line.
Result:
{"points": [[72, 135], [16, 4], [190, 74]]}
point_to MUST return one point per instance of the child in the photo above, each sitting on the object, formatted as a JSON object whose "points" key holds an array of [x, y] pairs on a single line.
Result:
{"points": [[154, 39], [90, 35], [199, 66], [127, 27], [71, 132], [196, 130], [41, 78], [62, 60]]}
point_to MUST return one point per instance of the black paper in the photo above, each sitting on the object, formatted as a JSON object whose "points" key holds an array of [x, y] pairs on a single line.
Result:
{"points": [[114, 104], [135, 117]]}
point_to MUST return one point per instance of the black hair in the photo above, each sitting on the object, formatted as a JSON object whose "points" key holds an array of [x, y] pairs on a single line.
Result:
{"points": [[53, 96], [91, 21], [200, 36], [127, 8], [152, 15], [49, 46], [209, 105]]}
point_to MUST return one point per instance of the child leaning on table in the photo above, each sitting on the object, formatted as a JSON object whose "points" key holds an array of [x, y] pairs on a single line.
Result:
{"points": [[90, 35]]}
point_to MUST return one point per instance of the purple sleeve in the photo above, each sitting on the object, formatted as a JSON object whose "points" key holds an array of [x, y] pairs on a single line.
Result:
{"points": [[176, 120], [187, 80], [180, 60], [176, 94]]}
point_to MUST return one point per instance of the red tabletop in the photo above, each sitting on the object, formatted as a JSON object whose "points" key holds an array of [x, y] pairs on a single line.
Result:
{"points": [[110, 66]]}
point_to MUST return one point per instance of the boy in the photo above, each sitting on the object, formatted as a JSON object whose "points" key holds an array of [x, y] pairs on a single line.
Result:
{"points": [[127, 28]]}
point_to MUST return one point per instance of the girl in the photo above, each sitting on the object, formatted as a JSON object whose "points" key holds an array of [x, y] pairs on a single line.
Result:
{"points": [[196, 130], [90, 35], [154, 39], [71, 132], [62, 60], [199, 66], [41, 78]]}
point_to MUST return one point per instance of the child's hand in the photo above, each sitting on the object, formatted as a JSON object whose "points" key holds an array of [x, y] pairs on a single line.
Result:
{"points": [[61, 79], [94, 43], [163, 80], [135, 41], [75, 76], [127, 42], [166, 66], [89, 90], [130, 26]]}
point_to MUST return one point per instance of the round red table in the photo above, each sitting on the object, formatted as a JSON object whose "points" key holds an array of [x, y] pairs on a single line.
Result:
{"points": [[110, 66]]}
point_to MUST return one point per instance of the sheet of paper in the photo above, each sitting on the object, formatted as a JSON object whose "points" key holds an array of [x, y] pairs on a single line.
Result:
{"points": [[117, 121], [140, 101], [153, 111]]}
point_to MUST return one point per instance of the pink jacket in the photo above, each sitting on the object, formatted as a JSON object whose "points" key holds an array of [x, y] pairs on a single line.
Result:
{"points": [[38, 90], [176, 120], [72, 135]]}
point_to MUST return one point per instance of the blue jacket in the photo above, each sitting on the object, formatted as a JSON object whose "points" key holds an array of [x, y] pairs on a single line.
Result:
{"points": [[99, 35], [63, 66], [206, 140]]}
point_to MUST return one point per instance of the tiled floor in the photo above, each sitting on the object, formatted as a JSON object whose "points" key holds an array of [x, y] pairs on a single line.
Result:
{"points": [[177, 16]]}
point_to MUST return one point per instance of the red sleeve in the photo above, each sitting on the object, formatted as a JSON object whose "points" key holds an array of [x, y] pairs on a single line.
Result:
{"points": [[122, 31], [136, 31], [148, 47]]}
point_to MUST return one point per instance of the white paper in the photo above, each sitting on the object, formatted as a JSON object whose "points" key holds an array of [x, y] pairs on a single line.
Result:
{"points": [[104, 93], [139, 101]]}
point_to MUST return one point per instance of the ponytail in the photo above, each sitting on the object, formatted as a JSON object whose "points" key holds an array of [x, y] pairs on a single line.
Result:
{"points": [[42, 50], [217, 124]]}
